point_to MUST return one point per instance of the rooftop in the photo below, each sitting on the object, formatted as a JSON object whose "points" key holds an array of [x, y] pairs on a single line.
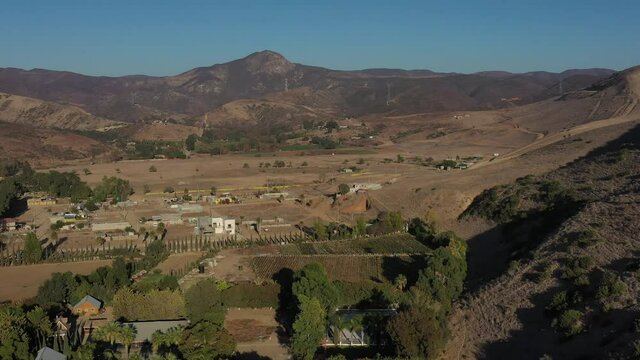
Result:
{"points": [[47, 353], [144, 329], [91, 300]]}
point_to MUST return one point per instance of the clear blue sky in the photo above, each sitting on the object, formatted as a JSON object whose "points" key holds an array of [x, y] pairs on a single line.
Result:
{"points": [[164, 37]]}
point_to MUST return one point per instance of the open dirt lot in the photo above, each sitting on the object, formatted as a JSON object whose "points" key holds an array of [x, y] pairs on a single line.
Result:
{"points": [[22, 282], [255, 331], [178, 261]]}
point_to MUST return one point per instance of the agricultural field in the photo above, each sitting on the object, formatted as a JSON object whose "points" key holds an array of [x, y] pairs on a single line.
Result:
{"points": [[389, 244], [350, 268]]}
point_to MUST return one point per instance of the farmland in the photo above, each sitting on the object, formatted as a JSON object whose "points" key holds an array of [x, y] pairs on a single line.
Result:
{"points": [[389, 244], [350, 268]]}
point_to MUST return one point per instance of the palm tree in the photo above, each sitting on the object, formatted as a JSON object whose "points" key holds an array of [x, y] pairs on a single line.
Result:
{"points": [[109, 332], [41, 324], [168, 339], [400, 282], [126, 336]]}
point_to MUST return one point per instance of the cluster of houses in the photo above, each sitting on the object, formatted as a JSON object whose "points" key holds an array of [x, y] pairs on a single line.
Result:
{"points": [[91, 314]]}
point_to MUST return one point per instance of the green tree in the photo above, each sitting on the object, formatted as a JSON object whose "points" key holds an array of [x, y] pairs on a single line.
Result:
{"points": [[14, 339], [571, 322], [57, 289], [126, 336], [312, 282], [320, 230], [8, 192], [167, 341], [32, 249], [190, 142], [85, 351], [343, 189], [360, 227], [308, 328], [400, 282], [206, 340], [418, 333], [109, 332], [114, 187], [40, 323], [203, 301], [120, 272], [442, 280], [394, 221]]}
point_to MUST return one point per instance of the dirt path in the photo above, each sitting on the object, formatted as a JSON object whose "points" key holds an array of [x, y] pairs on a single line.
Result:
{"points": [[553, 138]]}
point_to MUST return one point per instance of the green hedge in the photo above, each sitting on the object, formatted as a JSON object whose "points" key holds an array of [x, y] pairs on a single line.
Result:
{"points": [[251, 295]]}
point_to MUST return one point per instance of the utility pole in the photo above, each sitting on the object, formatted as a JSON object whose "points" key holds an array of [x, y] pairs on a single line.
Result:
{"points": [[388, 94], [286, 84], [561, 87]]}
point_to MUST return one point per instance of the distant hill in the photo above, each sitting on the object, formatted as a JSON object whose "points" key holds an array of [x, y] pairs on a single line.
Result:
{"points": [[29, 111], [138, 98]]}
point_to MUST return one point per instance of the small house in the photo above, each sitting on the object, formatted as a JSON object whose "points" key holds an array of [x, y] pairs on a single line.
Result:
{"points": [[61, 326], [47, 353], [353, 327], [145, 329], [8, 224], [87, 306]]}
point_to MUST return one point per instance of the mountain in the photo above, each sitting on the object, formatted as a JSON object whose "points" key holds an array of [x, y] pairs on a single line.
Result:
{"points": [[29, 111], [184, 96]]}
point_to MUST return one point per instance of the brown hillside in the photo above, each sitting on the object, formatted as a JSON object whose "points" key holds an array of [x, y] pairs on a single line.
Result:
{"points": [[29, 111]]}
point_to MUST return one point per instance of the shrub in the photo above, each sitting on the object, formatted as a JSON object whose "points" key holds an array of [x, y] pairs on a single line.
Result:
{"points": [[559, 302], [586, 238], [343, 189], [153, 169], [578, 270], [251, 296], [571, 322]]}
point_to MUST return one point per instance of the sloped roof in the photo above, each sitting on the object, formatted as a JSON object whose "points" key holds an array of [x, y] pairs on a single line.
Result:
{"points": [[91, 300], [47, 353], [144, 329]]}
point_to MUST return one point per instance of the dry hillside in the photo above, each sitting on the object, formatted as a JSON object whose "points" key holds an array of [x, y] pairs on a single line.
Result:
{"points": [[38, 113]]}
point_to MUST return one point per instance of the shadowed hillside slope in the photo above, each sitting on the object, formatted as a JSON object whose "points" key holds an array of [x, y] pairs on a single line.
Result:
{"points": [[572, 286]]}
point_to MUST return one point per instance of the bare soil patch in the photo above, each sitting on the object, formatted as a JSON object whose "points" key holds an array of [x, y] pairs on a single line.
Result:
{"points": [[22, 282]]}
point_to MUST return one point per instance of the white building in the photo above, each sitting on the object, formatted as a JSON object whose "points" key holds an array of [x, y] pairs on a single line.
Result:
{"points": [[364, 186], [214, 225]]}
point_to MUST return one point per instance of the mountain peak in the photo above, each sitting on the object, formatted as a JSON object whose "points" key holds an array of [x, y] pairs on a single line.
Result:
{"points": [[269, 62]]}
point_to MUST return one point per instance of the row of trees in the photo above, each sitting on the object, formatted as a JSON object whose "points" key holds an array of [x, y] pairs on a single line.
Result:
{"points": [[420, 328]]}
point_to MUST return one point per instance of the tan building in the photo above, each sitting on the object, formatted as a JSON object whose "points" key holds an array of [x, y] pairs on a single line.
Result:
{"points": [[43, 201], [88, 306]]}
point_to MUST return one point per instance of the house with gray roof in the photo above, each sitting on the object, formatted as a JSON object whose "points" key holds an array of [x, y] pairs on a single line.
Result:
{"points": [[145, 329], [47, 353]]}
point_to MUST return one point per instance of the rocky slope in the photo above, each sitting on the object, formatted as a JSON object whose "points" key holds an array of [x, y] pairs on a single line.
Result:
{"points": [[571, 290]]}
